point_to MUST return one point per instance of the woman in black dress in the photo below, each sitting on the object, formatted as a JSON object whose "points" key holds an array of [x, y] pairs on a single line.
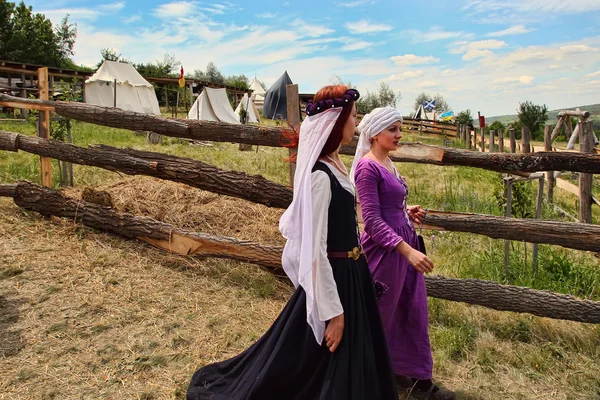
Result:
{"points": [[334, 298]]}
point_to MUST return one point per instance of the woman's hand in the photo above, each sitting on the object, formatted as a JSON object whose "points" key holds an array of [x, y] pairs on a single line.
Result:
{"points": [[334, 332], [415, 213], [418, 260]]}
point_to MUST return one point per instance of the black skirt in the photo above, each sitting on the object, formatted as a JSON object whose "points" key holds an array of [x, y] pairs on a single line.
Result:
{"points": [[288, 364]]}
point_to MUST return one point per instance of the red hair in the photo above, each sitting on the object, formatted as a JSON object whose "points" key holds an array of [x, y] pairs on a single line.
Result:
{"points": [[336, 135]]}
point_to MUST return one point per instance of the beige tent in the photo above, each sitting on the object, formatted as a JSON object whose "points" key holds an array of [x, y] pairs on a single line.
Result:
{"points": [[213, 105], [248, 105], [133, 92], [258, 93]]}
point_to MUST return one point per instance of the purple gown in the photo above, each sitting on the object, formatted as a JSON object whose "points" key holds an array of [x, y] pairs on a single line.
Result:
{"points": [[403, 301]]}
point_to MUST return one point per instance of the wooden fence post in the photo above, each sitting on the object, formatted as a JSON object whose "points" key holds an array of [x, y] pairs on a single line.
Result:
{"points": [[507, 213], [492, 143], [482, 134], [556, 131], [525, 140], [501, 141], [550, 174], [513, 140], [538, 214], [293, 118], [586, 143], [44, 126]]}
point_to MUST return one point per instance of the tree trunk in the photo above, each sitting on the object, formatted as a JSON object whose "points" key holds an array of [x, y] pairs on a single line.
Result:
{"points": [[135, 162], [567, 234], [484, 293], [513, 298], [49, 202]]}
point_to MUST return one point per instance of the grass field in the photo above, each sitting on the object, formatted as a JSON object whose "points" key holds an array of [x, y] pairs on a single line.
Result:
{"points": [[87, 315]]}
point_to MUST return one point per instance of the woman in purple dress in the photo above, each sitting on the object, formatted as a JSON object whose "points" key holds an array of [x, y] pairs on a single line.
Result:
{"points": [[392, 248]]}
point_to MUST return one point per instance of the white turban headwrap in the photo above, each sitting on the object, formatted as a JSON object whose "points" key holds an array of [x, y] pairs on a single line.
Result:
{"points": [[296, 222], [370, 126]]}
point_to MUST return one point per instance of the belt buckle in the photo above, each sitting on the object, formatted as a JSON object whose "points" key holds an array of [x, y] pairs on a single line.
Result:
{"points": [[354, 253]]}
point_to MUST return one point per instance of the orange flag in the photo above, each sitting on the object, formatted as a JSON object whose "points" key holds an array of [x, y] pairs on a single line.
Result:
{"points": [[181, 79]]}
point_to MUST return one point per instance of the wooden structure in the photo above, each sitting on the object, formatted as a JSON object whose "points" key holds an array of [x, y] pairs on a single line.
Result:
{"points": [[19, 79], [581, 236]]}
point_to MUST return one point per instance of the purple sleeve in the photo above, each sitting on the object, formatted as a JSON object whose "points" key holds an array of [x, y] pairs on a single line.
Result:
{"points": [[367, 178]]}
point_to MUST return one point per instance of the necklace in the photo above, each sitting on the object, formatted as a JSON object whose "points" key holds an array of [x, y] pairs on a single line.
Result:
{"points": [[386, 163], [342, 169]]}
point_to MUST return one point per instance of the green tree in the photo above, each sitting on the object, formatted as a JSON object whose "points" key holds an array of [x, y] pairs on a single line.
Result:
{"points": [[239, 81], [385, 96], [441, 105], [495, 126], [30, 38], [464, 117], [534, 117], [66, 34]]}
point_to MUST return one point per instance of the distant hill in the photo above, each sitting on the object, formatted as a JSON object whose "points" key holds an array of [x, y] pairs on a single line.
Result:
{"points": [[594, 110]]}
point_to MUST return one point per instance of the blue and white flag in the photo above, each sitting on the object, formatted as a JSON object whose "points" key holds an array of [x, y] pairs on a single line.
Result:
{"points": [[429, 104]]}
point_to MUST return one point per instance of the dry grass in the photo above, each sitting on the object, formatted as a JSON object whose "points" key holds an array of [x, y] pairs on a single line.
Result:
{"points": [[96, 316], [103, 317], [88, 315]]}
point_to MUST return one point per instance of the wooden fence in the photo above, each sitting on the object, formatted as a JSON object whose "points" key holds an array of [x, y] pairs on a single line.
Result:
{"points": [[255, 188]]}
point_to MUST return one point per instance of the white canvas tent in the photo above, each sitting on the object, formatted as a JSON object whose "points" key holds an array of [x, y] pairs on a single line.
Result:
{"points": [[422, 114], [248, 105], [134, 93], [213, 105], [258, 93]]}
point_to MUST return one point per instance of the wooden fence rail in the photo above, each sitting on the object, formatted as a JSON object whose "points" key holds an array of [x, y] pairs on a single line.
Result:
{"points": [[260, 190], [271, 136], [489, 294]]}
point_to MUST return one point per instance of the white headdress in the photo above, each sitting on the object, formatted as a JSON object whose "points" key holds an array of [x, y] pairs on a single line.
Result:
{"points": [[370, 126], [296, 222]]}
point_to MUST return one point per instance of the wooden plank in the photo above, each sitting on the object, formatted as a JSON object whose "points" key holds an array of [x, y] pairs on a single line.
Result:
{"points": [[44, 126], [567, 186], [418, 152], [575, 113], [293, 119], [557, 128], [586, 180], [27, 106], [549, 174]]}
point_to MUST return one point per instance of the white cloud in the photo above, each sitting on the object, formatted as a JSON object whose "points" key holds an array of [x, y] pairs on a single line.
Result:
{"points": [[366, 26], [578, 48], [477, 49], [112, 7], [174, 9], [513, 30], [447, 73], [411, 59], [518, 11], [406, 75], [521, 80], [353, 4], [353, 45], [267, 15], [132, 18], [434, 33], [427, 84], [592, 75], [311, 30]]}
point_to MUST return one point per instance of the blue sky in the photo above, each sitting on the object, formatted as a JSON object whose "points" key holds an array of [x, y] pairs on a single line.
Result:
{"points": [[483, 55]]}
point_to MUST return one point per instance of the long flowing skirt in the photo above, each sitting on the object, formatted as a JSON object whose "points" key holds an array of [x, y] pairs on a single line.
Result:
{"points": [[288, 364], [402, 306]]}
